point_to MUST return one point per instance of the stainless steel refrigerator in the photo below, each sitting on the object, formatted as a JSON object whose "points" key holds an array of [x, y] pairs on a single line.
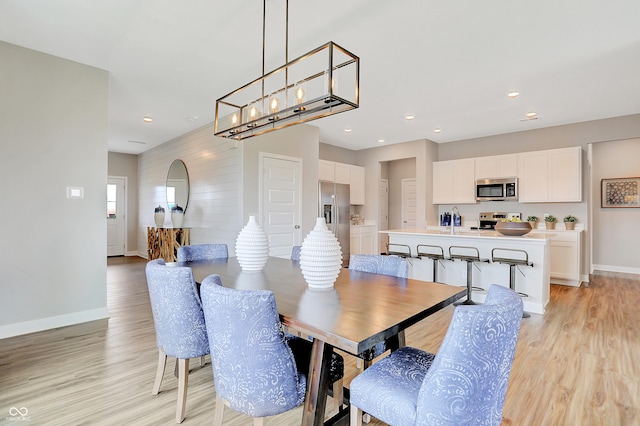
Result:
{"points": [[333, 205]]}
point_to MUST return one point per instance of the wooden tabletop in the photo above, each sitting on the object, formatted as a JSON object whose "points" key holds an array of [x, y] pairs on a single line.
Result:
{"points": [[362, 310]]}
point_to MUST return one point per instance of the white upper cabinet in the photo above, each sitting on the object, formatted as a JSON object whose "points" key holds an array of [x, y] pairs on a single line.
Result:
{"points": [[553, 175], [344, 173], [496, 166], [533, 177], [454, 182], [357, 185], [326, 170], [565, 175]]}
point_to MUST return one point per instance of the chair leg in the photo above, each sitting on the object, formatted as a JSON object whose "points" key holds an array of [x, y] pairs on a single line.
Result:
{"points": [[358, 363], [203, 361], [259, 421], [217, 419], [162, 362], [355, 416], [183, 381], [338, 395]]}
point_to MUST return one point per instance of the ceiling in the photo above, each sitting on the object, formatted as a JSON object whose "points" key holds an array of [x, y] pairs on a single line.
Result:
{"points": [[450, 64]]}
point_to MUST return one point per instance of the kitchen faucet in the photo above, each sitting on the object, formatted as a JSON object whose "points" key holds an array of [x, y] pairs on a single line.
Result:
{"points": [[453, 217]]}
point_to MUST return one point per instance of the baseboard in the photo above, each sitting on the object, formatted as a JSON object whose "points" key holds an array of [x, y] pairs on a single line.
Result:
{"points": [[48, 323], [612, 268], [140, 254]]}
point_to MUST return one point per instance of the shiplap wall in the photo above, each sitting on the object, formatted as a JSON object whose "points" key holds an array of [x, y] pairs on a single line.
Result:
{"points": [[214, 212]]}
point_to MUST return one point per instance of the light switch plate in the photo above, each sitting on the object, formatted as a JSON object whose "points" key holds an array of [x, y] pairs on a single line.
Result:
{"points": [[75, 192]]}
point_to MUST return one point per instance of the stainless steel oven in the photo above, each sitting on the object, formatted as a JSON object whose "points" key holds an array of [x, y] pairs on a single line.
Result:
{"points": [[497, 189]]}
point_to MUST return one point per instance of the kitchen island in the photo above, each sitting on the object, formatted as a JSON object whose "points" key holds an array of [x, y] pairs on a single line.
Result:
{"points": [[534, 281]]}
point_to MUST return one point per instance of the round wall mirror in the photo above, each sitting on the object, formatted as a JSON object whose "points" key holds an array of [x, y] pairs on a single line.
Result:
{"points": [[177, 185]]}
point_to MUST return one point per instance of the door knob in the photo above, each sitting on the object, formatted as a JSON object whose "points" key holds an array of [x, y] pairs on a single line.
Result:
{"points": [[297, 226]]}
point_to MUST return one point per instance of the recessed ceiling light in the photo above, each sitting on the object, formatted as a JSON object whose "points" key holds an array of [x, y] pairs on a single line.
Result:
{"points": [[513, 94], [409, 117], [192, 119], [437, 130], [147, 119], [531, 114], [347, 130], [380, 140]]}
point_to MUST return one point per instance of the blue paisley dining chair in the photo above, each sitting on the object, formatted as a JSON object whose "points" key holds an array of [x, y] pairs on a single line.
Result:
{"points": [[295, 253], [378, 264], [463, 384], [256, 368], [202, 252], [179, 323]]}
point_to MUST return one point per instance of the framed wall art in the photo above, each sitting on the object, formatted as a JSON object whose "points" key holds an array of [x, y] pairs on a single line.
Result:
{"points": [[621, 192]]}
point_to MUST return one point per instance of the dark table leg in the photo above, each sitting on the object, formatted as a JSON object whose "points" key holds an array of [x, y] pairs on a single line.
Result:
{"points": [[317, 384]]}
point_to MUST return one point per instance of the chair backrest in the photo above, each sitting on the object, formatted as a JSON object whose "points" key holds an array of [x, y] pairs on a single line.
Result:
{"points": [[380, 264], [254, 369], [467, 382], [295, 253], [177, 311], [202, 252]]}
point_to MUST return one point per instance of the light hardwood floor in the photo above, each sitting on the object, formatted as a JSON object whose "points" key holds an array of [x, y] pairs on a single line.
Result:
{"points": [[579, 364]]}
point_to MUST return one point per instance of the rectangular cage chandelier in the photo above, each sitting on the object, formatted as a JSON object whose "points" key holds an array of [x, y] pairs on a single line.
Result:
{"points": [[322, 82]]}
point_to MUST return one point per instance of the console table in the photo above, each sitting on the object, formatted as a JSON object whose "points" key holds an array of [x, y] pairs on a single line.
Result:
{"points": [[164, 242]]}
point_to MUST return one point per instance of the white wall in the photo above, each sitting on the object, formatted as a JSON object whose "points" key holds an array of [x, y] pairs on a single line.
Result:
{"points": [[300, 141], [616, 231], [424, 152], [224, 180], [214, 212], [53, 135]]}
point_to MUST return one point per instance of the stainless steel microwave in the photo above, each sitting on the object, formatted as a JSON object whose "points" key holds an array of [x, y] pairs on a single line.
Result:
{"points": [[497, 189]]}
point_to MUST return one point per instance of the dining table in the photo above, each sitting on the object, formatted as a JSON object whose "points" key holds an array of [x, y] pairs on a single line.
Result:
{"points": [[360, 310]]}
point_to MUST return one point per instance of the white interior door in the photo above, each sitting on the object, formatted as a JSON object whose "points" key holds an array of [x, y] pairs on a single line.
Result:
{"points": [[281, 208], [383, 214], [408, 203], [116, 224]]}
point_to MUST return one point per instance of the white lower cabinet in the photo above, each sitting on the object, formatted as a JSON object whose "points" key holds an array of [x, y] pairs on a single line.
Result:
{"points": [[362, 239], [565, 248]]}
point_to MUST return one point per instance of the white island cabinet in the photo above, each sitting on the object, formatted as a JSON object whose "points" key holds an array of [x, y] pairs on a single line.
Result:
{"points": [[534, 281]]}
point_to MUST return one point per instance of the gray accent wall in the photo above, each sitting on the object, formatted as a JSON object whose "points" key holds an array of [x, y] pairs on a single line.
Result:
{"points": [[616, 231], [126, 165], [53, 135]]}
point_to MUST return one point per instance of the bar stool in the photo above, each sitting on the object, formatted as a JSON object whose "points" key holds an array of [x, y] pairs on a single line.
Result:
{"points": [[401, 250], [435, 253], [513, 263], [464, 255]]}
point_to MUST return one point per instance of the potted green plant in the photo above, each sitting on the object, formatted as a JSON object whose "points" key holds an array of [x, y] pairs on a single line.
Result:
{"points": [[533, 221], [570, 222], [550, 221]]}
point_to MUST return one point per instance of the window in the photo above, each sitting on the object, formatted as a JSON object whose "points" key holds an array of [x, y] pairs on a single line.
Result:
{"points": [[111, 201]]}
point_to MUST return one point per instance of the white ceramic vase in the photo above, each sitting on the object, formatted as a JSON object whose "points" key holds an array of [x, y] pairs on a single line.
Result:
{"points": [[252, 246], [320, 256], [158, 216], [177, 217]]}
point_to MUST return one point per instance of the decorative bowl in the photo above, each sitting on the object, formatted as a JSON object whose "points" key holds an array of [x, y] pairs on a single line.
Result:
{"points": [[514, 229]]}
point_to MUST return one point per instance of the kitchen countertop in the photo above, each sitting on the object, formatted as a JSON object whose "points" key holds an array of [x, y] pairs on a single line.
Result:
{"points": [[468, 233]]}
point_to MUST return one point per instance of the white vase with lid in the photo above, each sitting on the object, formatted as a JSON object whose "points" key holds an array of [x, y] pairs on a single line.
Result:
{"points": [[158, 216], [252, 246], [320, 256]]}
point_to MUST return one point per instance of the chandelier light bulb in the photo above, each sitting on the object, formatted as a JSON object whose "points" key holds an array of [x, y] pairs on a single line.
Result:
{"points": [[300, 94], [273, 105]]}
